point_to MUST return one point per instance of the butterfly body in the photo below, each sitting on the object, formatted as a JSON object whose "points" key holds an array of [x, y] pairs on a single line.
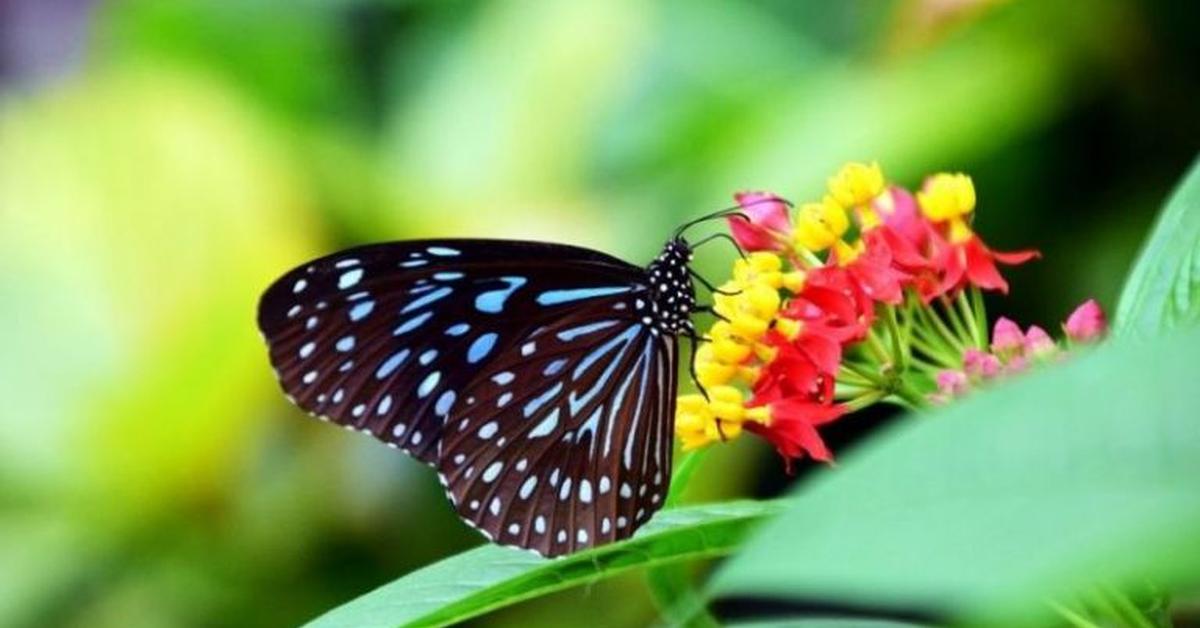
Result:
{"points": [[538, 379]]}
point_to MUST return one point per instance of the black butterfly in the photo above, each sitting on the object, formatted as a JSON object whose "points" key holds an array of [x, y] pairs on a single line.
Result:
{"points": [[539, 379]]}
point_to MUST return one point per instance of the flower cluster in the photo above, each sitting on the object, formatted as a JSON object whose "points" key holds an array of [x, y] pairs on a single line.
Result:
{"points": [[870, 293], [1013, 351]]}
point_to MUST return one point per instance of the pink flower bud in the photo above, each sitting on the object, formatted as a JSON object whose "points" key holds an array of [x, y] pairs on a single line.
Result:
{"points": [[1007, 337], [1038, 343], [766, 225], [898, 210], [952, 383], [1016, 364], [981, 365], [1087, 323]]}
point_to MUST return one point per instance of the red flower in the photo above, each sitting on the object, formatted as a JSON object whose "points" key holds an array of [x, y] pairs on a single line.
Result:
{"points": [[968, 261], [765, 225], [834, 304], [872, 270], [792, 428], [803, 367], [902, 230]]}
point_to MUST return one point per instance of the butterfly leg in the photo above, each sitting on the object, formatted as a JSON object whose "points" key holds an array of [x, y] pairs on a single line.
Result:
{"points": [[711, 288], [709, 309], [695, 340]]}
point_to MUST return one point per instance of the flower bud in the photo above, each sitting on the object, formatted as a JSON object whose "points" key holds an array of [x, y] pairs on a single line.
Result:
{"points": [[1007, 338], [856, 184], [945, 196], [1087, 323], [764, 225], [1038, 343]]}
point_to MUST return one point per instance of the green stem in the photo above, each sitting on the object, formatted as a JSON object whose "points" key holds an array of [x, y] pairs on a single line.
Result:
{"points": [[864, 373], [943, 356], [864, 400], [960, 330], [980, 309], [910, 395], [899, 348], [926, 365], [852, 379], [932, 319], [971, 321], [877, 348]]}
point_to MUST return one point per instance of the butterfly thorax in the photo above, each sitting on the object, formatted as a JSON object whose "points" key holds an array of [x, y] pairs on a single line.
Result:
{"points": [[672, 297]]}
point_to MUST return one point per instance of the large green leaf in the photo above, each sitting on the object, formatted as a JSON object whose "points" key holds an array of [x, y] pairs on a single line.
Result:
{"points": [[1082, 473], [489, 577], [1163, 291]]}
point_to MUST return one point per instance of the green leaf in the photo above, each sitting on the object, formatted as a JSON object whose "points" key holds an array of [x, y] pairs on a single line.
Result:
{"points": [[1080, 474], [490, 577], [1163, 291]]}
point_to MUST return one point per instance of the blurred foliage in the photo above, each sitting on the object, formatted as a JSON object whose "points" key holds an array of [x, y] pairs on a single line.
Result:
{"points": [[154, 182]]}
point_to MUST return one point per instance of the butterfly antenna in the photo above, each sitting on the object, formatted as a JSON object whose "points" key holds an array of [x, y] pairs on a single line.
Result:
{"points": [[736, 210], [721, 236]]}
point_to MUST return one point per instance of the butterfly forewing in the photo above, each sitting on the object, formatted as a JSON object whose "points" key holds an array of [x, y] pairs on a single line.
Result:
{"points": [[384, 338], [564, 441]]}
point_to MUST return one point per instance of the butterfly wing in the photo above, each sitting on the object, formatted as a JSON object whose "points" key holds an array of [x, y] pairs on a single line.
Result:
{"points": [[383, 338], [564, 442]]}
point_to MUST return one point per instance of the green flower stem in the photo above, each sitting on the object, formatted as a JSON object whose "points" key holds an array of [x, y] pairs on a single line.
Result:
{"points": [[877, 348], [979, 308], [913, 397], [810, 258], [851, 379], [929, 368], [899, 347], [944, 358], [863, 372], [978, 332], [930, 316], [864, 400], [965, 339], [844, 391]]}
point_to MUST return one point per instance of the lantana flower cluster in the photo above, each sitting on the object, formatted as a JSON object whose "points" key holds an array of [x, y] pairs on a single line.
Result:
{"points": [[869, 294]]}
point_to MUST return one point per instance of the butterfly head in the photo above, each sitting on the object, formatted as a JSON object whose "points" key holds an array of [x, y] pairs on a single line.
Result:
{"points": [[672, 297]]}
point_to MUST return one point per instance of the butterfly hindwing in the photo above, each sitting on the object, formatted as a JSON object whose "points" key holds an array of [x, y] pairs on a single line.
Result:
{"points": [[564, 440], [383, 338]]}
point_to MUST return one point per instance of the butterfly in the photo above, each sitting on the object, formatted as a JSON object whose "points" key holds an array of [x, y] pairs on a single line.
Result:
{"points": [[538, 379]]}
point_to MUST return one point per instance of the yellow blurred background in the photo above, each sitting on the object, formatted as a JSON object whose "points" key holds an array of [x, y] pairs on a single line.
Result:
{"points": [[162, 162]]}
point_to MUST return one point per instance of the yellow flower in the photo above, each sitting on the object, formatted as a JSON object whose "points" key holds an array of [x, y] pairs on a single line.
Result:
{"points": [[699, 422], [727, 346], [847, 253], [758, 268], [820, 225], [794, 280], [856, 184], [710, 371], [947, 196]]}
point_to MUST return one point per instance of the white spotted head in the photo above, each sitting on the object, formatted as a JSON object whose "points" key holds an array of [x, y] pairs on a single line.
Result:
{"points": [[672, 296]]}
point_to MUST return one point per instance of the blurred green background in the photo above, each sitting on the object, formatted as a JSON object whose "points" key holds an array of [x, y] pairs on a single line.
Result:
{"points": [[161, 162]]}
